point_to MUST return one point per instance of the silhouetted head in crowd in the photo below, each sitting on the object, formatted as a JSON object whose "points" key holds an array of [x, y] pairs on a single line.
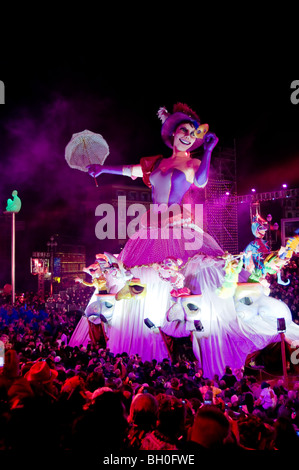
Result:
{"points": [[210, 427], [171, 416], [144, 411], [285, 435]]}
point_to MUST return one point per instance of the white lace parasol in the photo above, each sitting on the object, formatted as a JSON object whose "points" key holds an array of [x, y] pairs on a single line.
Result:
{"points": [[86, 148]]}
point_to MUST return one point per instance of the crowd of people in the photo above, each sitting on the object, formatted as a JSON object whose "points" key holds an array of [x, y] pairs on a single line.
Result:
{"points": [[88, 399]]}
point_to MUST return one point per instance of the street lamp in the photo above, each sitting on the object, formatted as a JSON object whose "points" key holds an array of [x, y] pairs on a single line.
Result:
{"points": [[51, 244], [13, 207]]}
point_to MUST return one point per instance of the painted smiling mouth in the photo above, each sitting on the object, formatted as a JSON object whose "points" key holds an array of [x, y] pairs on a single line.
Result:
{"points": [[261, 232], [185, 142]]}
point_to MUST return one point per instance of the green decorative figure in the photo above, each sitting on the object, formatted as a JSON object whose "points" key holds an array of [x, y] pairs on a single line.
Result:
{"points": [[14, 204]]}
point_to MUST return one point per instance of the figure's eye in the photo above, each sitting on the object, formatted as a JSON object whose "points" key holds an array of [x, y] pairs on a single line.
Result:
{"points": [[184, 129], [193, 307], [108, 305], [246, 300], [135, 289]]}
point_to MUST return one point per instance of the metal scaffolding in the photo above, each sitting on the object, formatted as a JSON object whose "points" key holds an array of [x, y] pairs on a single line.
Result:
{"points": [[220, 207], [221, 199]]}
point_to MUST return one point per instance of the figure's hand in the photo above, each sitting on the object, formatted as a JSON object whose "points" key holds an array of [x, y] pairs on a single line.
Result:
{"points": [[210, 141], [94, 170]]}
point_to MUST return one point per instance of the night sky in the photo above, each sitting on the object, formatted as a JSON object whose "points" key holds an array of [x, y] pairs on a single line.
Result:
{"points": [[114, 82]]}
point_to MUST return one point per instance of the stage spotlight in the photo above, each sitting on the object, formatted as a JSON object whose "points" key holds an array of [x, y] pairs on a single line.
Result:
{"points": [[253, 190], [198, 325], [149, 323], [284, 185], [281, 325], [227, 193]]}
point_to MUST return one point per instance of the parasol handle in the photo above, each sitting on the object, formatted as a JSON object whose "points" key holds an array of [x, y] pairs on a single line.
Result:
{"points": [[84, 145]]}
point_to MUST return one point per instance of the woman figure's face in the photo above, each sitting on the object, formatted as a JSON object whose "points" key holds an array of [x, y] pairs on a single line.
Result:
{"points": [[184, 138]]}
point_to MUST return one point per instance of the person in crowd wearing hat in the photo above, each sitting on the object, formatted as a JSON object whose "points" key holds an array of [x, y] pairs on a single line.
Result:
{"points": [[35, 419], [41, 379], [13, 386]]}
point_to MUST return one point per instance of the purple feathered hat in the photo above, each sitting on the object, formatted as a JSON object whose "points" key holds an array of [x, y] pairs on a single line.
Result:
{"points": [[181, 113]]}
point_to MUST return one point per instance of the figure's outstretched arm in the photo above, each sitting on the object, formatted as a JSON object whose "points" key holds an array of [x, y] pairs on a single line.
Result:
{"points": [[202, 174], [133, 171]]}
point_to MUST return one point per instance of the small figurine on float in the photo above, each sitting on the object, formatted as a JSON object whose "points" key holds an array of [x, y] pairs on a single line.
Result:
{"points": [[273, 265], [92, 324], [286, 252], [114, 271], [103, 261], [109, 274], [270, 262], [98, 278], [252, 299], [292, 245], [276, 260], [168, 270], [233, 266], [253, 302], [257, 250]]}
